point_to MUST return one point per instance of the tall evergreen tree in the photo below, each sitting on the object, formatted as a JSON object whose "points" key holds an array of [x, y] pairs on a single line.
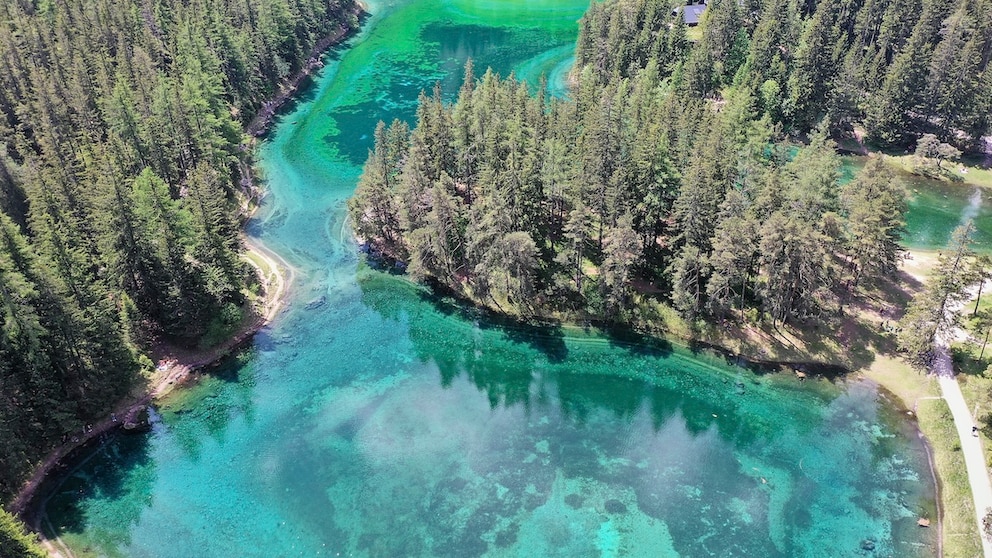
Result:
{"points": [[874, 202], [14, 542], [928, 316]]}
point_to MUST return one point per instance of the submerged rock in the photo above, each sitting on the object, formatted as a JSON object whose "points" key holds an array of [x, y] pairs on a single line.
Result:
{"points": [[574, 501], [615, 506], [137, 420]]}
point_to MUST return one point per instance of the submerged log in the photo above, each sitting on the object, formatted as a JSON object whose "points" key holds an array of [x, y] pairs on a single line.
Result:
{"points": [[316, 303]]}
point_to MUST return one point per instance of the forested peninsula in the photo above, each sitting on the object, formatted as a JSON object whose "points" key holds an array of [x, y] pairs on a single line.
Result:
{"points": [[702, 172], [123, 144]]}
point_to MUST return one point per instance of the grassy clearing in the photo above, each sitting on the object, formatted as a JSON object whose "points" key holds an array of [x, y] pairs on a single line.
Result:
{"points": [[919, 265], [975, 390], [965, 355], [906, 383], [973, 364], [960, 529], [969, 320], [978, 173], [654, 317], [976, 386]]}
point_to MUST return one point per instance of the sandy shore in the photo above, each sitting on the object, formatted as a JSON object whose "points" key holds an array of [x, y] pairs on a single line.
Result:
{"points": [[276, 277], [919, 264]]}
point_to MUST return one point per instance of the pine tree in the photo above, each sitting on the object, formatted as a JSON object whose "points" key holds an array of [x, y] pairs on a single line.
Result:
{"points": [[621, 253], [811, 78], [373, 208], [890, 113], [688, 271], [14, 541], [734, 255], [796, 267], [578, 233], [875, 203], [928, 317]]}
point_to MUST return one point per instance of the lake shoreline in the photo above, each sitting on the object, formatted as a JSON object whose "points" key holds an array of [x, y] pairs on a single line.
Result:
{"points": [[180, 368], [176, 369], [886, 372], [275, 289], [181, 373], [756, 357], [258, 126], [973, 168]]}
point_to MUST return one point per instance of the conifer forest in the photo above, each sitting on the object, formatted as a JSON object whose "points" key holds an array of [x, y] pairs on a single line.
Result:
{"points": [[705, 169], [122, 150], [699, 167]]}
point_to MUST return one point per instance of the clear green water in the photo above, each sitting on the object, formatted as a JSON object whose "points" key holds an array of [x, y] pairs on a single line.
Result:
{"points": [[388, 423], [936, 208]]}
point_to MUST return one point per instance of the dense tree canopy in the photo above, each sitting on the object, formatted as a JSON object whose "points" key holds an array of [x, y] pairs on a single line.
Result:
{"points": [[702, 168], [901, 68], [14, 542], [565, 206], [121, 143]]}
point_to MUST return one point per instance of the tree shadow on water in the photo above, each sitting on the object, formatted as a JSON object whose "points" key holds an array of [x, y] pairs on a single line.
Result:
{"points": [[543, 335], [513, 362], [120, 470], [620, 374], [205, 411], [636, 343]]}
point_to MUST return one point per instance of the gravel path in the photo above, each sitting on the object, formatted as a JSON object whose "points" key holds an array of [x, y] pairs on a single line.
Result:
{"points": [[974, 457], [971, 445]]}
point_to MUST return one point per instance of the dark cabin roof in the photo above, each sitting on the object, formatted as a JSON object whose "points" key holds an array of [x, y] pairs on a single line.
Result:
{"points": [[693, 13]]}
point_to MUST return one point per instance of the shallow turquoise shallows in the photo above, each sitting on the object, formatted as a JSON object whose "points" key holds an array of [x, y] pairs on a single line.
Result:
{"points": [[385, 422]]}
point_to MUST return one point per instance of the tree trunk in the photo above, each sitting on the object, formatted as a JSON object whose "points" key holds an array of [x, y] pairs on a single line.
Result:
{"points": [[747, 279], [979, 299]]}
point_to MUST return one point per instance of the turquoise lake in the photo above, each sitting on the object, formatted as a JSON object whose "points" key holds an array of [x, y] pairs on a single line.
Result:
{"points": [[387, 422]]}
